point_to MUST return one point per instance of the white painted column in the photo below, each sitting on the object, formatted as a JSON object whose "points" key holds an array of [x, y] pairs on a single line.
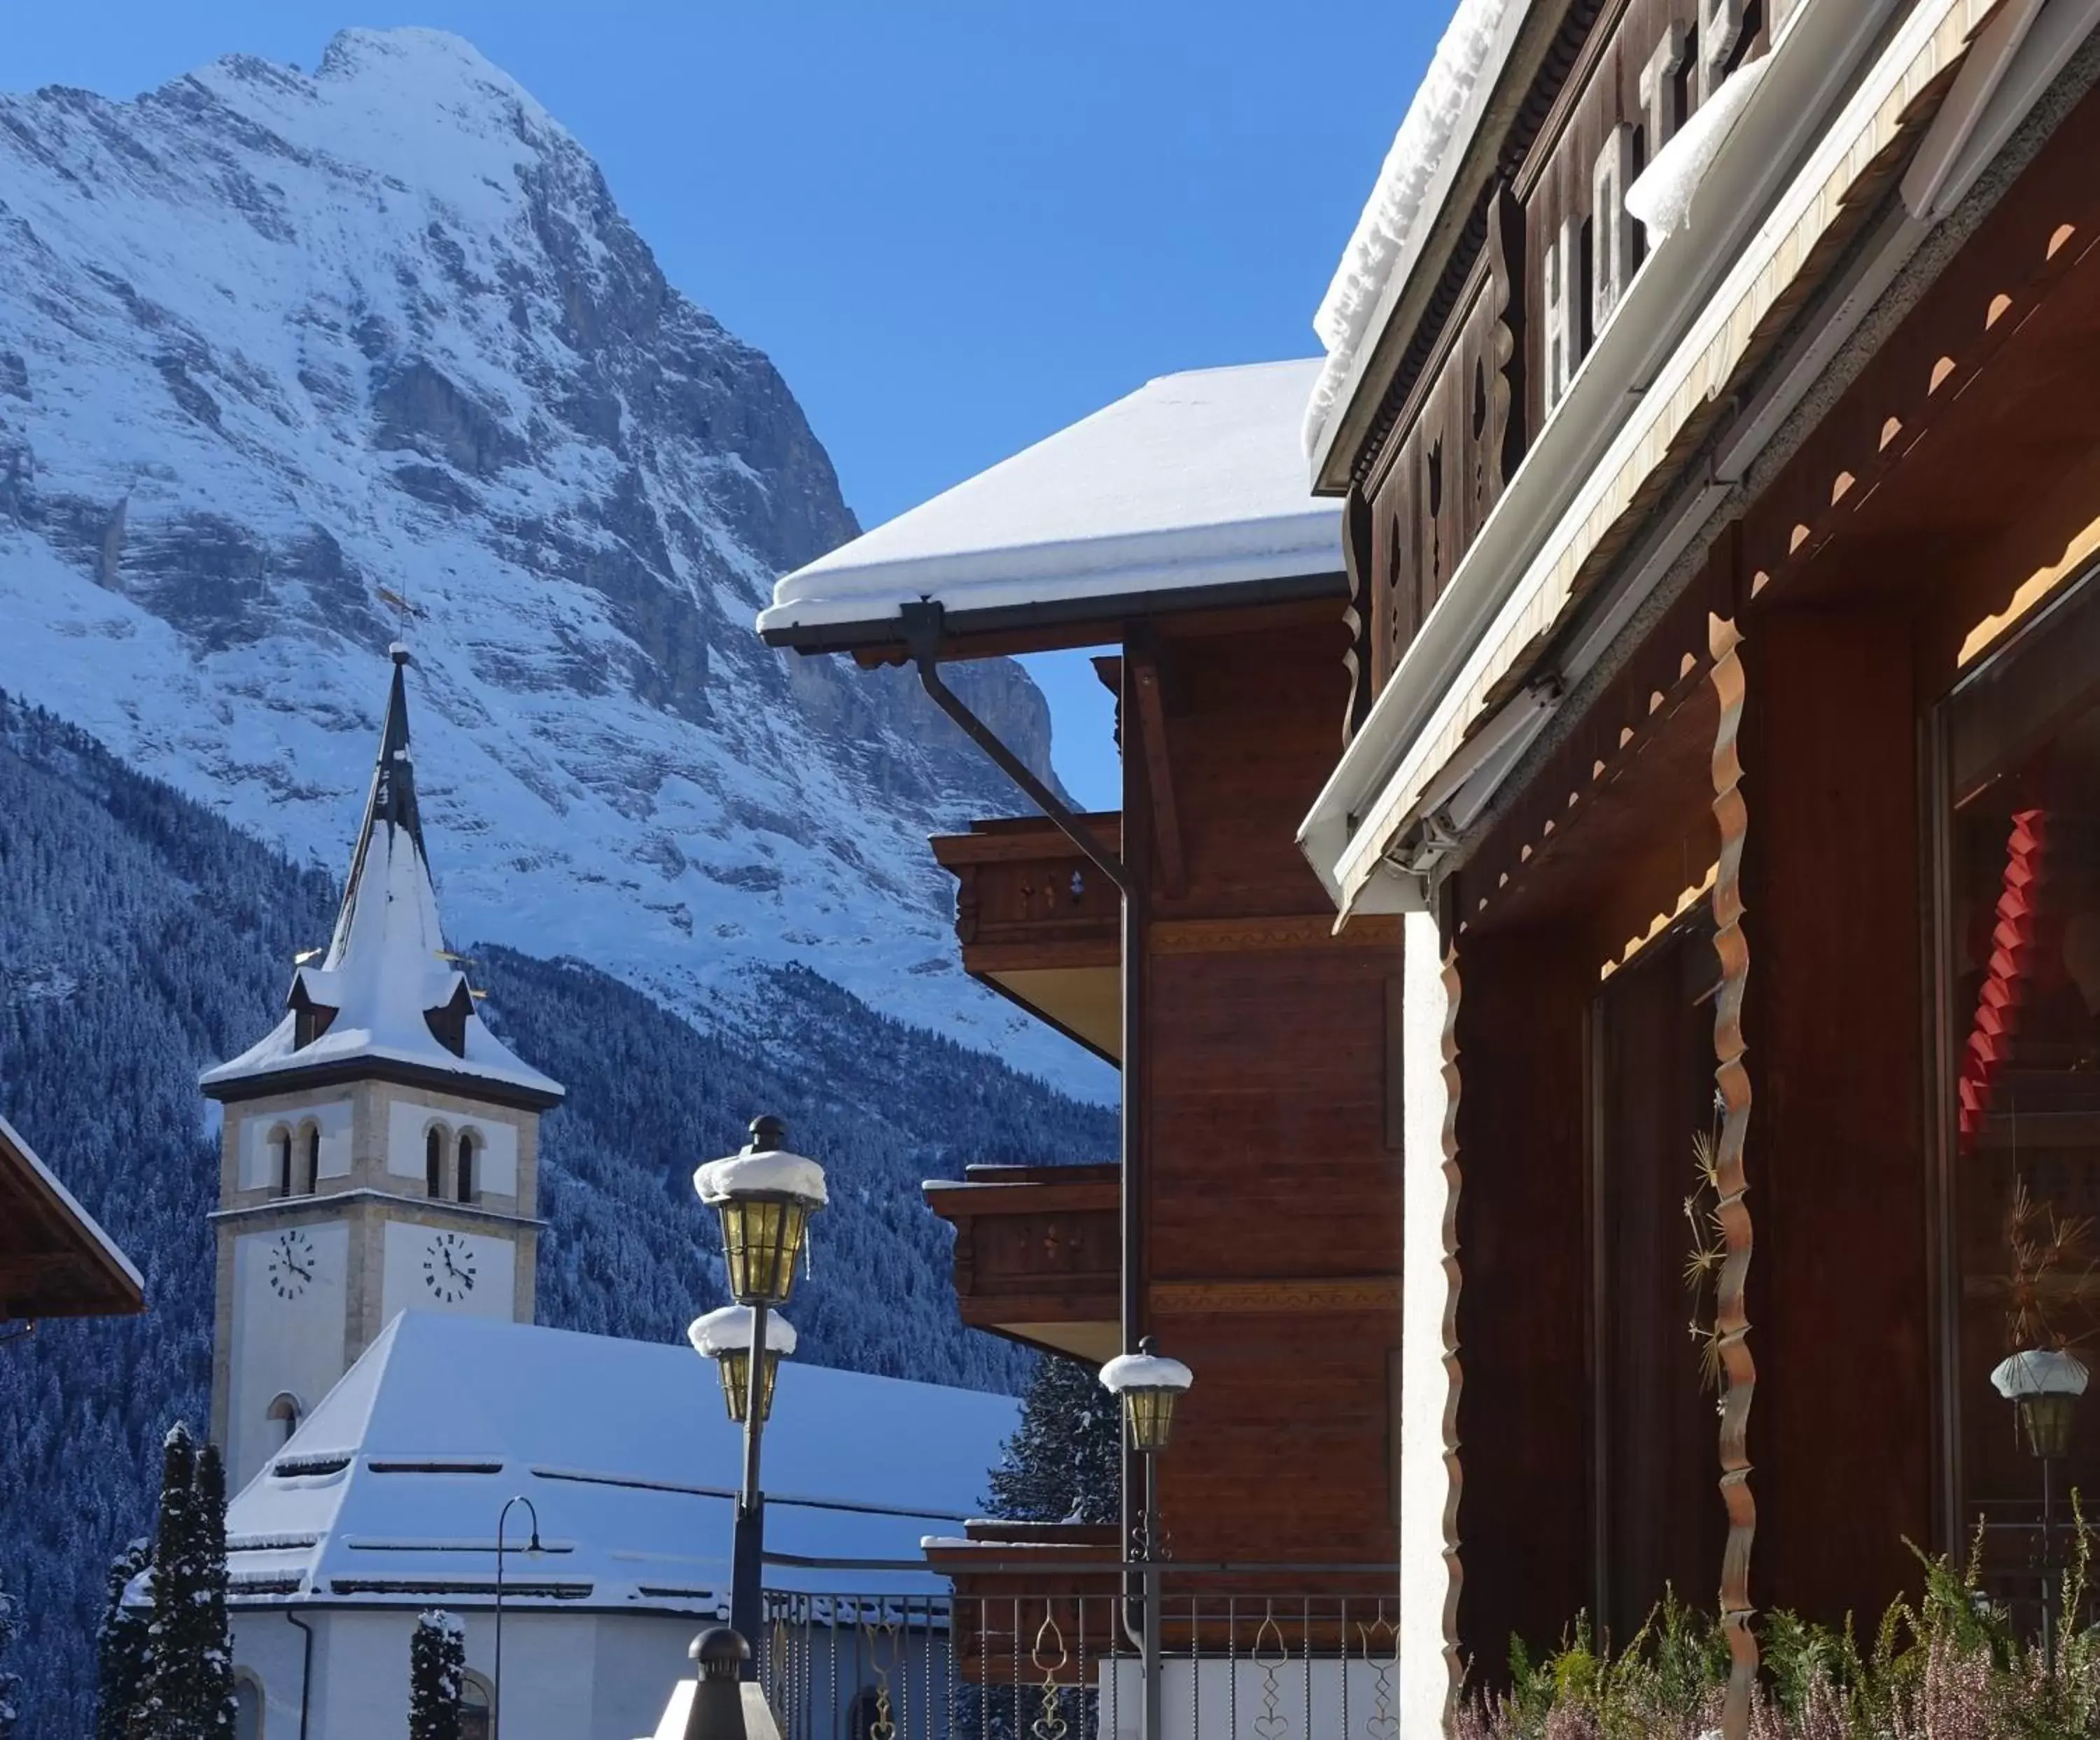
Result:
{"points": [[1429, 1365]]}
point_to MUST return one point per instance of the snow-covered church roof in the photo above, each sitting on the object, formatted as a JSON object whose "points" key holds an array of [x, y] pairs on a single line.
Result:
{"points": [[1192, 484], [388, 993], [391, 1488]]}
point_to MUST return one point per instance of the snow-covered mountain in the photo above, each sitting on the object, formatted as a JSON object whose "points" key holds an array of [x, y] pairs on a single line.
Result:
{"points": [[271, 342]]}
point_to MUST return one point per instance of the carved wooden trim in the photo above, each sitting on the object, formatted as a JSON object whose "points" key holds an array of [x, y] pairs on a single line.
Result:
{"points": [[1158, 768], [1358, 563], [1731, 1321], [1454, 1473], [1505, 283], [1257, 936], [1365, 1293]]}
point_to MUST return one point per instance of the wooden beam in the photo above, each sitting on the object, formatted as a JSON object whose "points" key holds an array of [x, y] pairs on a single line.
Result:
{"points": [[1159, 773]]}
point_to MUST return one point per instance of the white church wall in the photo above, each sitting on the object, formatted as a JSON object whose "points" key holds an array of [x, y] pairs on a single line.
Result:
{"points": [[291, 1293], [639, 1659], [497, 1161], [268, 1650], [566, 1676], [429, 1268], [259, 1164], [408, 1123]]}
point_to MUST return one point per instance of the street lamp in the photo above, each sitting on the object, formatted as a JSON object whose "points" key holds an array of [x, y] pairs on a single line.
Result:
{"points": [[1149, 1385], [2044, 1385], [764, 1195], [532, 1549], [725, 1336]]}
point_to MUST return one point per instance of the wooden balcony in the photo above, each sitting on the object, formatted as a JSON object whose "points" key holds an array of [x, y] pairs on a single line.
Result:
{"points": [[1040, 924], [1038, 1254]]}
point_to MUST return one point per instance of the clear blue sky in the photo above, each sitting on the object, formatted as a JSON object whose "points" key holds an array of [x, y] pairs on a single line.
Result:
{"points": [[957, 225]]}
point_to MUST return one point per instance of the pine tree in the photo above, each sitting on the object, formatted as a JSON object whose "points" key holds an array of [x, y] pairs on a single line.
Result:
{"points": [[1065, 1463], [10, 1683], [188, 1692], [122, 1647], [165, 1706], [437, 1674], [215, 1695]]}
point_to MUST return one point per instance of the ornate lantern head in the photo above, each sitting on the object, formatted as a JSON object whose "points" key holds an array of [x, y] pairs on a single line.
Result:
{"points": [[765, 1196], [725, 1336], [1149, 1385], [2044, 1385]]}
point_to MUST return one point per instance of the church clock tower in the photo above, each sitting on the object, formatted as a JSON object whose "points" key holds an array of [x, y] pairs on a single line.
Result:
{"points": [[380, 1147]]}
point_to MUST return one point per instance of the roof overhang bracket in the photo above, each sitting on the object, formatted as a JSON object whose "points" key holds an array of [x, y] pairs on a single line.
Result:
{"points": [[922, 621]]}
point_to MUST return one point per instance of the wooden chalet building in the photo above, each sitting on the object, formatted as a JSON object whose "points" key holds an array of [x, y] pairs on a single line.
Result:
{"points": [[1253, 1224], [1713, 398], [54, 1261]]}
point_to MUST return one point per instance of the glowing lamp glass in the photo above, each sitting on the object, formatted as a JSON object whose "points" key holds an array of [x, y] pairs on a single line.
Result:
{"points": [[1149, 1416], [762, 1237], [733, 1366]]}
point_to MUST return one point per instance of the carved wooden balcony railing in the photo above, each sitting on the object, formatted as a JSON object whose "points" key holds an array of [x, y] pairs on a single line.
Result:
{"points": [[1038, 1255], [1040, 924]]}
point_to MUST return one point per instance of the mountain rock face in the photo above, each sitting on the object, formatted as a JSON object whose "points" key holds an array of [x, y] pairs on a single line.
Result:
{"points": [[272, 342]]}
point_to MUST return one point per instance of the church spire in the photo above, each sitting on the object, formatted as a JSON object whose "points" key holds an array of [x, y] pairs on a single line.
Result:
{"points": [[390, 809], [388, 993]]}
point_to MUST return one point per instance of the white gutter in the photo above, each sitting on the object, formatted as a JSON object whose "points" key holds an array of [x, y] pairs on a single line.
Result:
{"points": [[1577, 476]]}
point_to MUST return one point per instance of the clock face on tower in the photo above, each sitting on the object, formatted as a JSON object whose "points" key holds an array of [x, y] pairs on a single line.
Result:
{"points": [[449, 1267], [291, 1265]]}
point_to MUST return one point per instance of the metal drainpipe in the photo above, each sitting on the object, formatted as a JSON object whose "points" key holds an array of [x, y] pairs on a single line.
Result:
{"points": [[922, 625], [306, 1671]]}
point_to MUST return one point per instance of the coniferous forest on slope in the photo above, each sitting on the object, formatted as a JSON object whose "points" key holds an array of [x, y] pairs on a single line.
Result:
{"points": [[142, 938]]}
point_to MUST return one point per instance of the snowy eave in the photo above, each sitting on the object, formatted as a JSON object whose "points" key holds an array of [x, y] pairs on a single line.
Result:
{"points": [[1192, 483], [487, 1060], [47, 1181], [1412, 185]]}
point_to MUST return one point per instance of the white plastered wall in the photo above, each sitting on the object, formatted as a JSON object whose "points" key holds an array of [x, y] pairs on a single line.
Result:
{"points": [[258, 1159], [1429, 1372], [282, 1345], [492, 1261], [409, 1124]]}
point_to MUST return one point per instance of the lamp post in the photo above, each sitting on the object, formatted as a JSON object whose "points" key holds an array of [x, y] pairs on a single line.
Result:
{"points": [[2044, 1385], [532, 1549], [725, 1337], [764, 1195], [1149, 1385]]}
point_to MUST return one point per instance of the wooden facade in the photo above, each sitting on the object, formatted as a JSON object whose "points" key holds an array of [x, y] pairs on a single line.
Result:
{"points": [[1264, 1098], [1795, 873]]}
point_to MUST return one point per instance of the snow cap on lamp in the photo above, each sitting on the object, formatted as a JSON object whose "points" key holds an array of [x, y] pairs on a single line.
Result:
{"points": [[2039, 1371], [728, 1330]]}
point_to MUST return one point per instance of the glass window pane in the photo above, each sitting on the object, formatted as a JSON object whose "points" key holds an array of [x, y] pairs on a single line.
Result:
{"points": [[2020, 1071]]}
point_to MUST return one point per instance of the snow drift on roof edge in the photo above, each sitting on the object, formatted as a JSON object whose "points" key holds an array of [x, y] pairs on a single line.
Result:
{"points": [[1388, 228]]}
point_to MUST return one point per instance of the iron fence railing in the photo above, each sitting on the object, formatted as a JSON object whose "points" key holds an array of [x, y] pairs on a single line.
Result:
{"points": [[1238, 1663]]}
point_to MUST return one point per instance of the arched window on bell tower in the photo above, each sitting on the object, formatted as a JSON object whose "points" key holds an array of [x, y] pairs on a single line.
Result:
{"points": [[434, 1162], [313, 1172], [285, 1407], [466, 1178], [284, 1163]]}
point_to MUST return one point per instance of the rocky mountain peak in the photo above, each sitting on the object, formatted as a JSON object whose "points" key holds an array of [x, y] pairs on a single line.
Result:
{"points": [[274, 344]]}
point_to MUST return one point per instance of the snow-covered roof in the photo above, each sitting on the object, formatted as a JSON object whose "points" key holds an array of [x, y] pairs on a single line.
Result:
{"points": [[1193, 482], [118, 1287], [1404, 200], [391, 1487], [387, 972]]}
